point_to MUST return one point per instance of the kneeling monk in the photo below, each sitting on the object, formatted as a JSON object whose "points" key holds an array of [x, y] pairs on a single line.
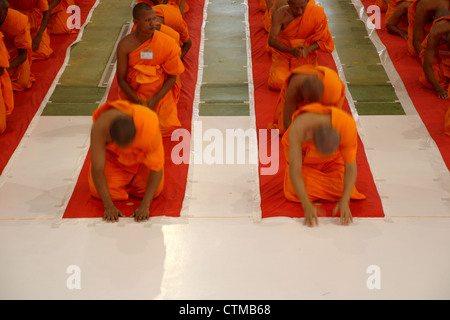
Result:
{"points": [[127, 157], [307, 84], [148, 65], [320, 148]]}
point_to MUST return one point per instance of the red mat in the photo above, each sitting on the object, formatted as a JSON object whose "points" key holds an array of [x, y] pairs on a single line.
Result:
{"points": [[170, 201], [28, 102], [273, 202], [430, 108]]}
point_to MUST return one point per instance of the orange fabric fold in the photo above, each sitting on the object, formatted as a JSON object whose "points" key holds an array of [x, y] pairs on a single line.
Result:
{"points": [[127, 169], [58, 18], [334, 92], [324, 175], [16, 30], [382, 5], [310, 28], [173, 18], [393, 4], [6, 91], [147, 76]]}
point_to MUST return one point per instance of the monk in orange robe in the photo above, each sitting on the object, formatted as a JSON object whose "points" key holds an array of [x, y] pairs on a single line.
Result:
{"points": [[305, 85], [397, 17], [421, 14], [273, 5], [38, 14], [435, 57], [148, 65], [182, 5], [59, 16], [320, 148], [16, 31], [298, 31], [6, 91], [127, 157]]}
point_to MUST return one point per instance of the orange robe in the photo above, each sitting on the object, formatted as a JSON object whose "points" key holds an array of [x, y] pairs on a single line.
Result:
{"points": [[441, 65], [173, 18], [16, 30], [58, 18], [267, 17], [393, 4], [127, 169], [147, 76], [310, 28], [175, 3], [167, 30], [6, 91], [34, 9], [324, 175], [334, 92], [411, 18], [382, 5]]}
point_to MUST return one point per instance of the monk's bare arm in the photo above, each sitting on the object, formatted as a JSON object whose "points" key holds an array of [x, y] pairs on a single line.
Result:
{"points": [[166, 87], [98, 159], [290, 102], [21, 58], [419, 24], [428, 60], [277, 21], [399, 12], [343, 204], [122, 68], [38, 37], [142, 213], [186, 47]]}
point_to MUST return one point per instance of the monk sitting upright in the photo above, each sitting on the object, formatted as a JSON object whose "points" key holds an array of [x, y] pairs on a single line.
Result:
{"points": [[320, 148], [38, 14], [14, 26], [397, 17], [436, 56], [148, 64], [307, 84], [420, 18], [127, 157], [298, 30], [6, 91]]}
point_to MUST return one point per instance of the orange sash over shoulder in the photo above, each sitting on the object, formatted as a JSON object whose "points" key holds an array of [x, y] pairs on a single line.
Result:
{"points": [[6, 91], [147, 76], [16, 30], [324, 175], [310, 28], [334, 91], [34, 9], [173, 18], [145, 153]]}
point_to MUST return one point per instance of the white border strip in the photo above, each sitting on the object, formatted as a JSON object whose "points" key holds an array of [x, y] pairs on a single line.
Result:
{"points": [[34, 121]]}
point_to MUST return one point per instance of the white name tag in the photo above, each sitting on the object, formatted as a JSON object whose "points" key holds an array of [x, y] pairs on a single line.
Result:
{"points": [[146, 55]]}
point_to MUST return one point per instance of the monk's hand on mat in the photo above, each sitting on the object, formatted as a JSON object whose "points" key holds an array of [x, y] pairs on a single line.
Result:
{"points": [[142, 213], [311, 213], [112, 214], [346, 214], [442, 94]]}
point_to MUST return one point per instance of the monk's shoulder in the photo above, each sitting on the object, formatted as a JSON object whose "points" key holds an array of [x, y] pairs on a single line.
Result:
{"points": [[128, 44]]}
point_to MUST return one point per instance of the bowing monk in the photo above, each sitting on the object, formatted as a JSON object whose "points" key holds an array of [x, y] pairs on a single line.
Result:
{"points": [[148, 65], [436, 56], [305, 85], [420, 17], [6, 91], [16, 30], [298, 30], [57, 23], [38, 14], [320, 148], [127, 157], [397, 17]]}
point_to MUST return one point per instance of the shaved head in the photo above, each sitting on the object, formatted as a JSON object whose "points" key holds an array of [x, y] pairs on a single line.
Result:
{"points": [[326, 139], [139, 8], [312, 89], [122, 131]]}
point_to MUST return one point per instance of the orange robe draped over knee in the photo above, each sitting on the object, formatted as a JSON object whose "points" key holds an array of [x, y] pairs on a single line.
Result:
{"points": [[324, 176], [333, 95], [34, 9], [6, 91], [173, 18], [127, 169], [441, 64], [310, 28], [147, 76], [58, 18], [16, 30]]}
